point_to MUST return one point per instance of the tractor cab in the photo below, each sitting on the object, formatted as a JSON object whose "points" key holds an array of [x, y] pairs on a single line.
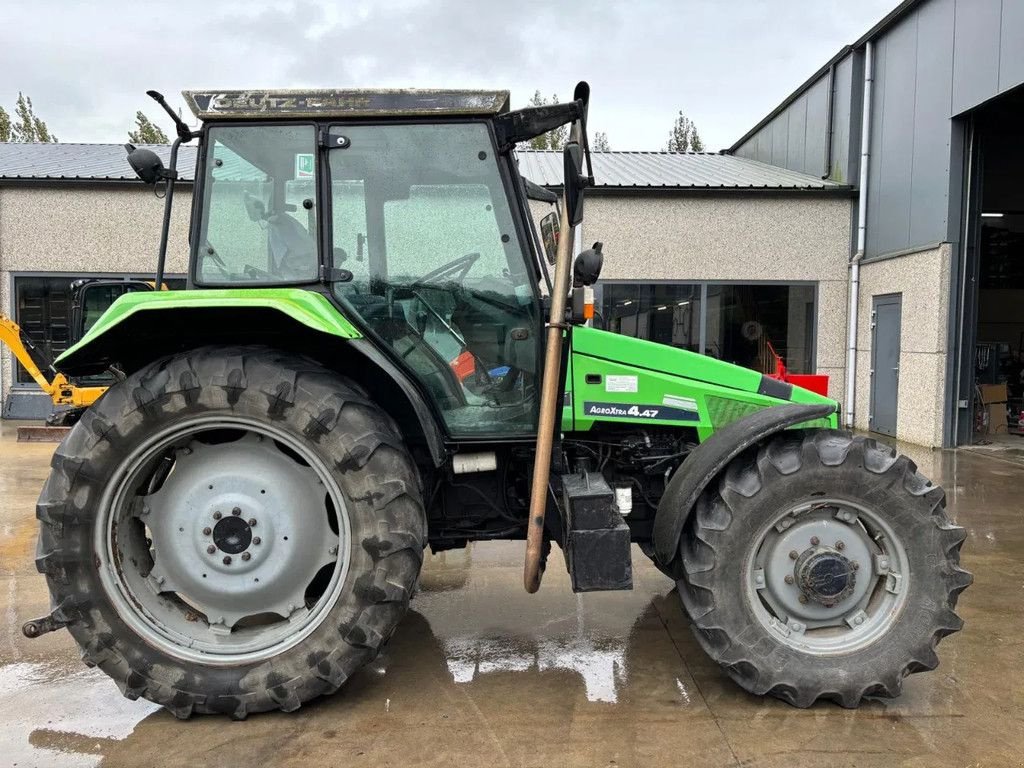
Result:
{"points": [[412, 226]]}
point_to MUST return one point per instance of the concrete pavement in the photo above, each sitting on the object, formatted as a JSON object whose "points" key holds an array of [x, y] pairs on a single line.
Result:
{"points": [[482, 674]]}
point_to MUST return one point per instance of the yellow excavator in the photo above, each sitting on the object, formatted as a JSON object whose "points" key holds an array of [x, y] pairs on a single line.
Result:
{"points": [[90, 299]]}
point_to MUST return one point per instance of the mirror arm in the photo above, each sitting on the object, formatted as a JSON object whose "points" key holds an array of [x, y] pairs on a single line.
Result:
{"points": [[184, 132], [170, 174]]}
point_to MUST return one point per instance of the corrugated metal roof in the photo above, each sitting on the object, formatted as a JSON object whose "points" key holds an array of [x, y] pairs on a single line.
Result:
{"points": [[93, 162], [670, 170], [622, 170]]}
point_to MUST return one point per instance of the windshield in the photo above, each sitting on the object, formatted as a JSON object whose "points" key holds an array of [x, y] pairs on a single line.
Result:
{"points": [[421, 218], [258, 220]]}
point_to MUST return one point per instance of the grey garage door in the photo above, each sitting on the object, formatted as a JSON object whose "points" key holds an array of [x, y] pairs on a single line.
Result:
{"points": [[885, 362]]}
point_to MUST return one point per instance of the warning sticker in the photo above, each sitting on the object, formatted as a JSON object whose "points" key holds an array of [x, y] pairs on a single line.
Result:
{"points": [[620, 384]]}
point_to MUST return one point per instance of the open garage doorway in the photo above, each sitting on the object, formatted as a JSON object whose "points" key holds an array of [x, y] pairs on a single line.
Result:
{"points": [[994, 327]]}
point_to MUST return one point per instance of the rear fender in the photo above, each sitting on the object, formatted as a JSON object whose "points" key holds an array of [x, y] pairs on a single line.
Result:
{"points": [[142, 327], [708, 459]]}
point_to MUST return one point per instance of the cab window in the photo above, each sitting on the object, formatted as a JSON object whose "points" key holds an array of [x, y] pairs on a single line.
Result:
{"points": [[258, 220]]}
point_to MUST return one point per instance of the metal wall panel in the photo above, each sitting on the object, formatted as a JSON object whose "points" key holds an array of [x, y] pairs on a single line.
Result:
{"points": [[815, 123], [976, 41], [930, 178], [795, 138], [1011, 51], [842, 170], [796, 144], [892, 139]]}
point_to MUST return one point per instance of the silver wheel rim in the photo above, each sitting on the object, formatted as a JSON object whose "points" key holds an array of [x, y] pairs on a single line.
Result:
{"points": [[223, 541], [827, 577]]}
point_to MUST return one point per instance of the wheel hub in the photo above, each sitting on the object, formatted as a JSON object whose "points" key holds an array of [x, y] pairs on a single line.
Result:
{"points": [[232, 535], [825, 575]]}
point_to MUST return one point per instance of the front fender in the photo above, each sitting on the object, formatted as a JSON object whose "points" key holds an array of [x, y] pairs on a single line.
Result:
{"points": [[709, 458]]}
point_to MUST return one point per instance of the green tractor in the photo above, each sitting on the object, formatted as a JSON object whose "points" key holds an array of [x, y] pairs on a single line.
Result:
{"points": [[375, 353]]}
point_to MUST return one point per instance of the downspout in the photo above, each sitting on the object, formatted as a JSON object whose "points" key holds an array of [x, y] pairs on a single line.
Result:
{"points": [[862, 229]]}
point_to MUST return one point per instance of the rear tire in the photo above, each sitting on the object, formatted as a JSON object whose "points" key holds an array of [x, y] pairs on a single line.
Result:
{"points": [[322, 429], [862, 622]]}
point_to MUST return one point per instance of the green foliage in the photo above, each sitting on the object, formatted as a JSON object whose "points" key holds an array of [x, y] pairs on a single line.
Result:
{"points": [[146, 132], [555, 139], [600, 142], [684, 137], [28, 127], [5, 125]]}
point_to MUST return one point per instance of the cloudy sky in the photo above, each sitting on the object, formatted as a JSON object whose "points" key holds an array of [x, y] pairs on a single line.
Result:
{"points": [[725, 63]]}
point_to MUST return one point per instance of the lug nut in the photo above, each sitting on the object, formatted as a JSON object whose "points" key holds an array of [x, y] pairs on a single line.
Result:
{"points": [[793, 555], [246, 556], [856, 565], [840, 546], [216, 515], [207, 531], [789, 579], [211, 549], [257, 540], [815, 541], [236, 511], [802, 598], [252, 522], [227, 560]]}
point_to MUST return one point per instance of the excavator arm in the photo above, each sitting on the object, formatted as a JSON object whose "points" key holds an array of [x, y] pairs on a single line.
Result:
{"points": [[54, 384]]}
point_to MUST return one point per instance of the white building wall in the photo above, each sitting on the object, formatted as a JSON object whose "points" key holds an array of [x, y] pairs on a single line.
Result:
{"points": [[79, 229], [734, 237], [923, 280]]}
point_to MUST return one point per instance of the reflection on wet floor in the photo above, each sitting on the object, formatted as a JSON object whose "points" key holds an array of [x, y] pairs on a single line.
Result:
{"points": [[480, 673]]}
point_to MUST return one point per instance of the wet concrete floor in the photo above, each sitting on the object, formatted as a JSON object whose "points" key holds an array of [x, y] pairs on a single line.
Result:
{"points": [[481, 673]]}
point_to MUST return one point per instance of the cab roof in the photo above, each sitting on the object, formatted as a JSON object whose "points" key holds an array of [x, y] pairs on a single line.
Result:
{"points": [[313, 103]]}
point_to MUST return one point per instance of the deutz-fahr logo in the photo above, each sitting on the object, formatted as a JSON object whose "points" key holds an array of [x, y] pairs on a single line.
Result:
{"points": [[250, 102]]}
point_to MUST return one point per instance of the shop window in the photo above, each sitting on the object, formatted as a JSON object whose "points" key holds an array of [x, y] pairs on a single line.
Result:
{"points": [[743, 323], [667, 313], [747, 322]]}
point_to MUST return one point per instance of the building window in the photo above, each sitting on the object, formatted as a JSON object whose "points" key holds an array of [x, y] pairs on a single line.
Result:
{"points": [[747, 323], [668, 313], [42, 308], [742, 323]]}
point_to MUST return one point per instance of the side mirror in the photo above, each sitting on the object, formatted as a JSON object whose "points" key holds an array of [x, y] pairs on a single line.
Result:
{"points": [[587, 267], [146, 163], [549, 232], [575, 181]]}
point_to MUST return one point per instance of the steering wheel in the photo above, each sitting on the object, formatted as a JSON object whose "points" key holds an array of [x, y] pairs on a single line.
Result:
{"points": [[461, 266]]}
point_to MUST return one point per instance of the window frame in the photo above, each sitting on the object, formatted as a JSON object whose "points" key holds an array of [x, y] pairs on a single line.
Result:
{"points": [[199, 199], [518, 212]]}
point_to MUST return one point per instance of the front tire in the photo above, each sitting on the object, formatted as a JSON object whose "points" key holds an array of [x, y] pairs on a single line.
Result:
{"points": [[822, 566], [232, 530]]}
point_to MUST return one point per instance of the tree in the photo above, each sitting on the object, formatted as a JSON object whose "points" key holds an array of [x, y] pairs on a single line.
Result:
{"points": [[146, 132], [5, 125], [552, 139], [29, 127], [600, 143], [684, 137]]}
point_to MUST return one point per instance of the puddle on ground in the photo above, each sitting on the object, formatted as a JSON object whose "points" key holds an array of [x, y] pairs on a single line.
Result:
{"points": [[600, 664], [49, 717]]}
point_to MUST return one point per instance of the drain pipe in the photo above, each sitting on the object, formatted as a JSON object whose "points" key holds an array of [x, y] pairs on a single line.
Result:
{"points": [[862, 230]]}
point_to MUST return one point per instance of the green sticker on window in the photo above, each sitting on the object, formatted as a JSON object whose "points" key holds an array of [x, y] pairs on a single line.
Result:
{"points": [[304, 166]]}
